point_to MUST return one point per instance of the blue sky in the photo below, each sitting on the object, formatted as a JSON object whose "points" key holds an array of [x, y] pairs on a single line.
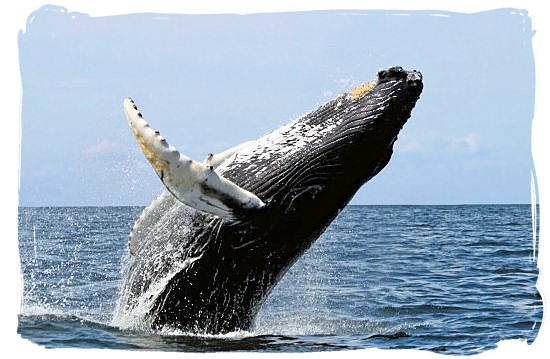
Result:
{"points": [[209, 82]]}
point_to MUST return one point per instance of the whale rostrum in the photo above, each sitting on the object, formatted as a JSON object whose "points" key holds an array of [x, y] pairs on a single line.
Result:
{"points": [[205, 254]]}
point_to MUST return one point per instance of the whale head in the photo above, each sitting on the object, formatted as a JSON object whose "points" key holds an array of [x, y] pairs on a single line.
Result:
{"points": [[308, 170], [206, 254]]}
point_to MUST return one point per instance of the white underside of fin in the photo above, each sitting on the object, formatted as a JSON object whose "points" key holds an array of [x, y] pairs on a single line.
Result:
{"points": [[217, 159], [195, 184]]}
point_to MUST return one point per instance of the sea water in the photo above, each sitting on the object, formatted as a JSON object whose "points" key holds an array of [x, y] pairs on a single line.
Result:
{"points": [[451, 279]]}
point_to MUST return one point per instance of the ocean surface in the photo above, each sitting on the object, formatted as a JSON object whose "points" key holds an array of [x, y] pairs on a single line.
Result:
{"points": [[449, 279]]}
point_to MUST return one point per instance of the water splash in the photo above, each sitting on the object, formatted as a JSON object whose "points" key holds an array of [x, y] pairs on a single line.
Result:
{"points": [[34, 240], [138, 294]]}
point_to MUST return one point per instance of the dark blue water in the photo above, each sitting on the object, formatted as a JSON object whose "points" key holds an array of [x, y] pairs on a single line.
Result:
{"points": [[450, 279]]}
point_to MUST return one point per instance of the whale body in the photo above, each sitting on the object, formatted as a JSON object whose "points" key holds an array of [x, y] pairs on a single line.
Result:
{"points": [[205, 255]]}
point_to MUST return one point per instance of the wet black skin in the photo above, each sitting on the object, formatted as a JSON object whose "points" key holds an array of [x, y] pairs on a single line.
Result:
{"points": [[241, 262]]}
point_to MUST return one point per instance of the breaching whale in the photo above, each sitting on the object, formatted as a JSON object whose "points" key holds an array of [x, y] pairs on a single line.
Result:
{"points": [[207, 252]]}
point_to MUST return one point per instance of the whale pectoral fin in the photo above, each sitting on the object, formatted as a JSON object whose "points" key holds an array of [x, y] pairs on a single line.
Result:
{"points": [[194, 184], [216, 159]]}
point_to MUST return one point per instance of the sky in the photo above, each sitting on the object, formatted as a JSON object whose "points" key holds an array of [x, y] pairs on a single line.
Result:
{"points": [[209, 82]]}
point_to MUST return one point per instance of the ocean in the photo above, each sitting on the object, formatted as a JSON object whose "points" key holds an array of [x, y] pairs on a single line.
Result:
{"points": [[453, 279]]}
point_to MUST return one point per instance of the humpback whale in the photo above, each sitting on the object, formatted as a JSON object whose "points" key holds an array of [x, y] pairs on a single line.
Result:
{"points": [[204, 256]]}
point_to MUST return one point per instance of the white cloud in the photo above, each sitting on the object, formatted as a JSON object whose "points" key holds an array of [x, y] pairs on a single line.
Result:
{"points": [[408, 144], [470, 142], [436, 143], [412, 147]]}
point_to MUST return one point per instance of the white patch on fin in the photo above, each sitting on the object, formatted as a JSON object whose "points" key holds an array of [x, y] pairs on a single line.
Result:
{"points": [[194, 184], [217, 159]]}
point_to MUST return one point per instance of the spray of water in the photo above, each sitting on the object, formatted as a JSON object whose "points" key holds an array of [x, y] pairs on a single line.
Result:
{"points": [[34, 240]]}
